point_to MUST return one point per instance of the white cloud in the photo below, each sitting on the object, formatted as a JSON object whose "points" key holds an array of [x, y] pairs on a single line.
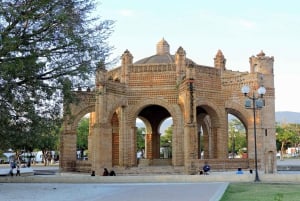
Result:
{"points": [[246, 24], [127, 13]]}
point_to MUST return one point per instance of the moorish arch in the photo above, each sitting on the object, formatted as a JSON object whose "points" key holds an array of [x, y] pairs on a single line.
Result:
{"points": [[246, 118], [197, 97], [68, 138], [209, 127], [84, 111], [174, 110], [152, 134], [238, 110]]}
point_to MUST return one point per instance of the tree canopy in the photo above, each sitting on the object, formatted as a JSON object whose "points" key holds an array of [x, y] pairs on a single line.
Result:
{"points": [[287, 135], [82, 134], [140, 138], [166, 138], [47, 48]]}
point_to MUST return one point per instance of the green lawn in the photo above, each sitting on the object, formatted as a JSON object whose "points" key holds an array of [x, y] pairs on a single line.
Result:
{"points": [[262, 192]]}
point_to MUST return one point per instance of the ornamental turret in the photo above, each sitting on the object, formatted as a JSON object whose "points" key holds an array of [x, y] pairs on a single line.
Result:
{"points": [[180, 62], [127, 59], [261, 63], [220, 61]]}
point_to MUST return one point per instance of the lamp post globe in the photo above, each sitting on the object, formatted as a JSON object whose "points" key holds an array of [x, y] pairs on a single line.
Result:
{"points": [[261, 92], [245, 89]]}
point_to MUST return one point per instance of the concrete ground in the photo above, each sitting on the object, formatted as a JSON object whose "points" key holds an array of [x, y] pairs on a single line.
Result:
{"points": [[112, 192]]}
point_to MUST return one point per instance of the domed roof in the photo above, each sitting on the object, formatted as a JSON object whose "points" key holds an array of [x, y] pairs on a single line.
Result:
{"points": [[162, 55]]}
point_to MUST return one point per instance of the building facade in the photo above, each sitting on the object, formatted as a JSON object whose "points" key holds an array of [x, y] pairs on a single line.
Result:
{"points": [[198, 99]]}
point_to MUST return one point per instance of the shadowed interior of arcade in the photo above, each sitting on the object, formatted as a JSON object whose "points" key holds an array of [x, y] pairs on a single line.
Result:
{"points": [[153, 117]]}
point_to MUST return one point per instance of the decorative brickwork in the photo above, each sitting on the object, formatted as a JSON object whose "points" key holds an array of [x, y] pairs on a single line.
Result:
{"points": [[198, 98]]}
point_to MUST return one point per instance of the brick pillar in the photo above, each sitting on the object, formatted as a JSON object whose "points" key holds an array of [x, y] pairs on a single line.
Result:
{"points": [[190, 147], [148, 146], [115, 148], [220, 143], [68, 150], [126, 140], [91, 131], [115, 139], [102, 148], [178, 145]]}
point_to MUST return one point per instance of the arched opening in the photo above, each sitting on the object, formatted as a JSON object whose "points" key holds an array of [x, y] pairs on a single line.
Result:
{"points": [[140, 139], [82, 136], [237, 138], [155, 119], [206, 133], [166, 132]]}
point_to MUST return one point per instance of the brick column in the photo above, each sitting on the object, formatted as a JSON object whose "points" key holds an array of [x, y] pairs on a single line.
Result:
{"points": [[102, 148], [190, 147], [68, 150], [148, 146]]}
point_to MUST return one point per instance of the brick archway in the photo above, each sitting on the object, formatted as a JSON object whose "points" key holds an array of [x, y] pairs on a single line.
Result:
{"points": [[208, 128], [153, 139], [186, 90], [85, 105]]}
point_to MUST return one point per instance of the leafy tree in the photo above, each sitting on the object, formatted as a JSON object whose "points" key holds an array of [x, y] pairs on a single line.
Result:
{"points": [[166, 142], [82, 134], [47, 138], [140, 139], [166, 138], [47, 48], [286, 134], [237, 136]]}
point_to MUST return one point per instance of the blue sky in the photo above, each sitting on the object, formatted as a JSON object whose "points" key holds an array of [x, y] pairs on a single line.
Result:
{"points": [[240, 28]]}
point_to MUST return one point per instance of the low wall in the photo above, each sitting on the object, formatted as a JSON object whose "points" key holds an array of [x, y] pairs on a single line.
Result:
{"points": [[83, 166], [225, 164]]}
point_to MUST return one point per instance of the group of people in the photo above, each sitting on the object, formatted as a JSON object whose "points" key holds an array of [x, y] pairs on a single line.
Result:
{"points": [[206, 168], [106, 173]]}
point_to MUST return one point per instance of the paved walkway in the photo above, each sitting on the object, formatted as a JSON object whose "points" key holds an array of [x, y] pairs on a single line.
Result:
{"points": [[112, 192]]}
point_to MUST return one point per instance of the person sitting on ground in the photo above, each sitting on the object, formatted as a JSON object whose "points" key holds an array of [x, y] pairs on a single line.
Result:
{"points": [[93, 173], [112, 173], [239, 171], [105, 173], [206, 168]]}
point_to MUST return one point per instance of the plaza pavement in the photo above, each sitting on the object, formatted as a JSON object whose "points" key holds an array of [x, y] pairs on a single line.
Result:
{"points": [[83, 187]]}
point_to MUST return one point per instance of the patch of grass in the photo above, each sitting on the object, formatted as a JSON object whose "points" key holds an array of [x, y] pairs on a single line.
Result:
{"points": [[262, 192]]}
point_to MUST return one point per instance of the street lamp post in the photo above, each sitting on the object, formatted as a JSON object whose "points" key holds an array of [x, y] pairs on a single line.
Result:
{"points": [[254, 102]]}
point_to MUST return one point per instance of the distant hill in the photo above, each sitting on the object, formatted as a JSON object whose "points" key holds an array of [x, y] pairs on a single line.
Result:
{"points": [[287, 117]]}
